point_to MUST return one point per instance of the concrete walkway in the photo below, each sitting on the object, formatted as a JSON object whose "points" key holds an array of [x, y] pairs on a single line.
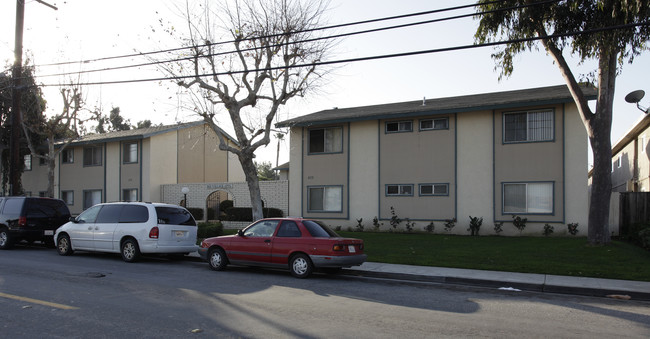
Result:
{"points": [[635, 290]]}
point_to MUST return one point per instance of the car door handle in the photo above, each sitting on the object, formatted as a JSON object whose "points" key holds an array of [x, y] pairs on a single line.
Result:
{"points": [[267, 241], [90, 228]]}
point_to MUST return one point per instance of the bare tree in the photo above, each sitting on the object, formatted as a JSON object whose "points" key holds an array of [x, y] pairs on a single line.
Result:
{"points": [[61, 128], [270, 58]]}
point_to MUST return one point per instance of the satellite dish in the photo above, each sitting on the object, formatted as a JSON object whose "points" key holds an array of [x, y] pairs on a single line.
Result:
{"points": [[635, 97]]}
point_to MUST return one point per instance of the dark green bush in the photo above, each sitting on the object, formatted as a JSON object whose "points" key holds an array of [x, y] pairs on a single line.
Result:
{"points": [[226, 204], [207, 230], [638, 234], [246, 213], [197, 213]]}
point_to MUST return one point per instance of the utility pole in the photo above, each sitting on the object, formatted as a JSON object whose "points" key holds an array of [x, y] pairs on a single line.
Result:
{"points": [[14, 144]]}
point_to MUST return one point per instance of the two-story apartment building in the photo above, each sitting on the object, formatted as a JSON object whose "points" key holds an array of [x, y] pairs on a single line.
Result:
{"points": [[494, 155], [132, 165], [630, 159]]}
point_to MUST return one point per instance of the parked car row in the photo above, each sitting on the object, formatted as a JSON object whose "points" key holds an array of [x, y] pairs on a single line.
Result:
{"points": [[136, 228]]}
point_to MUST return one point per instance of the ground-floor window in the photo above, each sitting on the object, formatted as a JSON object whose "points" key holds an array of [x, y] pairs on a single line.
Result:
{"points": [[399, 190], [528, 197], [92, 197], [130, 194], [325, 198], [68, 197]]}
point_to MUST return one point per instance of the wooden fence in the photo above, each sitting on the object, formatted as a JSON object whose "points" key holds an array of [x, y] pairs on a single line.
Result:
{"points": [[634, 208]]}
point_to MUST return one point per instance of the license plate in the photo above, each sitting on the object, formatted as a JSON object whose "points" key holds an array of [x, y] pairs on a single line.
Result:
{"points": [[48, 232], [351, 249], [179, 234]]}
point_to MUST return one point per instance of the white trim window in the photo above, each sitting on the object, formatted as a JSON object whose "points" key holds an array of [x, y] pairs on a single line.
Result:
{"points": [[399, 126], [130, 153], [67, 156], [528, 126], [130, 194], [325, 198], [326, 140], [434, 124], [434, 189], [67, 197], [528, 197], [27, 159], [402, 190], [92, 198]]}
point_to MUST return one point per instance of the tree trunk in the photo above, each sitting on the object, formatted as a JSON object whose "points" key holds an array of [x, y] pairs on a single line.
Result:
{"points": [[250, 171], [601, 144]]}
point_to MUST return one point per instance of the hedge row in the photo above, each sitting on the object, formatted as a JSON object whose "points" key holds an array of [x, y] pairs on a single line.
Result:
{"points": [[246, 213]]}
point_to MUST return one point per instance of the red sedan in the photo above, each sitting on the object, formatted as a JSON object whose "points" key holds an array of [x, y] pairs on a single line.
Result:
{"points": [[298, 244]]}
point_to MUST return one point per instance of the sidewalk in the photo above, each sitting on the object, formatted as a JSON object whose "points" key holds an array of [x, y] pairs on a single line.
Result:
{"points": [[636, 290]]}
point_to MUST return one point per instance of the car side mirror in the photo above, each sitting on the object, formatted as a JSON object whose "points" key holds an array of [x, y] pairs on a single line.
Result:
{"points": [[73, 219], [240, 233]]}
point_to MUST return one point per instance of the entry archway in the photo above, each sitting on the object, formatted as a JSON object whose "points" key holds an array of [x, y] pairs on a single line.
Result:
{"points": [[213, 204]]}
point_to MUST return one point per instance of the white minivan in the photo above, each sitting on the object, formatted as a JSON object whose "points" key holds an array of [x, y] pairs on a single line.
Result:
{"points": [[129, 228]]}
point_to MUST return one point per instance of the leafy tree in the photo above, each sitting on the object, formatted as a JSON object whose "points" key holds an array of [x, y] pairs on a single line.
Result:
{"points": [[143, 124], [265, 171], [255, 73], [111, 123], [610, 32], [32, 103]]}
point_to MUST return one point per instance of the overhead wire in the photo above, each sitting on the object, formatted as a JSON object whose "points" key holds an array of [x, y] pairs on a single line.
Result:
{"points": [[342, 35], [401, 16], [376, 57]]}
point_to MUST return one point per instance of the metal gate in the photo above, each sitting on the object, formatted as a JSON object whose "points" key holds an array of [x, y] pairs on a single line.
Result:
{"points": [[213, 203]]}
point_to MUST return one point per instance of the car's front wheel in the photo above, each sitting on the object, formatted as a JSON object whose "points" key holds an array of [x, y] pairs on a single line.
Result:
{"points": [[130, 250], [5, 239], [217, 259], [63, 246], [300, 266]]}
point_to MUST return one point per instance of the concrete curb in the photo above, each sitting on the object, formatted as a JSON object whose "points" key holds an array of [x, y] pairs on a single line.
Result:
{"points": [[524, 286]]}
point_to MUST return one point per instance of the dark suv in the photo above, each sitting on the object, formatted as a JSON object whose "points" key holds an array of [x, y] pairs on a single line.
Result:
{"points": [[30, 219]]}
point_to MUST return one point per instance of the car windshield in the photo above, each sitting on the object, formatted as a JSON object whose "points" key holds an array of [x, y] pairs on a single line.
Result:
{"points": [[174, 216], [319, 230]]}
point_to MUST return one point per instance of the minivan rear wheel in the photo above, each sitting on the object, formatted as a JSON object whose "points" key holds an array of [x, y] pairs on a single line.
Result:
{"points": [[5, 239], [130, 250]]}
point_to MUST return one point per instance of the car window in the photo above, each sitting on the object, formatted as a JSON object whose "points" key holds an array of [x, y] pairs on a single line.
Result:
{"points": [[318, 229], [89, 215], [289, 229], [264, 228], [134, 213], [109, 214], [42, 208], [13, 206], [174, 216]]}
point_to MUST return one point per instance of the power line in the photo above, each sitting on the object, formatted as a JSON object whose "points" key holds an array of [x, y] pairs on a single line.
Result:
{"points": [[402, 16], [307, 40], [376, 57]]}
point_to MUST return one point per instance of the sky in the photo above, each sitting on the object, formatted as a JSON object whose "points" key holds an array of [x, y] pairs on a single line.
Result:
{"points": [[91, 29]]}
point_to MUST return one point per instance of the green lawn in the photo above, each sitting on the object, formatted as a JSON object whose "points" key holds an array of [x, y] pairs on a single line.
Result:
{"points": [[570, 256]]}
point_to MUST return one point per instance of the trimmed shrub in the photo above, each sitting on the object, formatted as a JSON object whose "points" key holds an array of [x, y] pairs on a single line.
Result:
{"points": [[208, 230], [197, 213], [246, 213], [226, 204]]}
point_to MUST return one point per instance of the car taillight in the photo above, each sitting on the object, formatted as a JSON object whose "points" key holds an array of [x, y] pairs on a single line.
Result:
{"points": [[153, 234], [338, 247], [22, 221]]}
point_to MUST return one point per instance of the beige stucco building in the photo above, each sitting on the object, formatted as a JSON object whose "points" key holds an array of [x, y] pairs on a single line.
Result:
{"points": [[630, 159], [493, 155], [133, 165]]}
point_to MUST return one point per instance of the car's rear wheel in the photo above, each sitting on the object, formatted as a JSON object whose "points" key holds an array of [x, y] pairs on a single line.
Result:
{"points": [[5, 239], [63, 246], [217, 259], [130, 250], [300, 266]]}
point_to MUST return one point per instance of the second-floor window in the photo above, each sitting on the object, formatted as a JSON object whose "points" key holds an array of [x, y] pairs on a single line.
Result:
{"points": [[28, 162], [130, 152], [93, 156], [67, 156], [326, 140], [528, 126], [399, 126]]}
